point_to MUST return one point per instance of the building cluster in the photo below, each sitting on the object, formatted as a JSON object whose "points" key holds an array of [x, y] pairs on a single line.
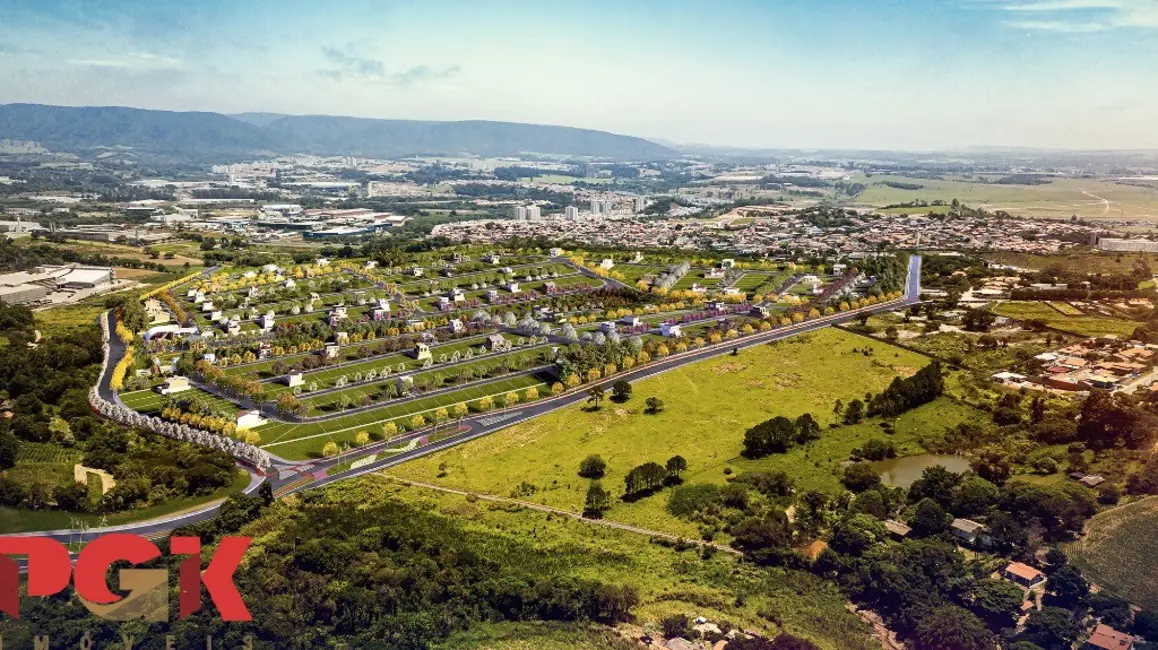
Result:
{"points": [[789, 231], [1104, 363]]}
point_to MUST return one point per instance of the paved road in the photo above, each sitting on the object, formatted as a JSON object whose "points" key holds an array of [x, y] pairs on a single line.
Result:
{"points": [[475, 427]]}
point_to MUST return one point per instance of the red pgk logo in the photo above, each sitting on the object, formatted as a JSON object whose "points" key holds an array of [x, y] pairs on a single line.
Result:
{"points": [[50, 571]]}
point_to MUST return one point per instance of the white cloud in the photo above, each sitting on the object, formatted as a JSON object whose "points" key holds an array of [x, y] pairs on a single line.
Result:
{"points": [[1080, 16], [131, 61]]}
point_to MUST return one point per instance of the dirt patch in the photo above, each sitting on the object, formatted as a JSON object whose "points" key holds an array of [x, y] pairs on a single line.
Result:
{"points": [[728, 367], [905, 371], [132, 274]]}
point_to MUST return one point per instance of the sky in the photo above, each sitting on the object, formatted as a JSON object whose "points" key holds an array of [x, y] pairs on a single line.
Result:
{"points": [[885, 74]]}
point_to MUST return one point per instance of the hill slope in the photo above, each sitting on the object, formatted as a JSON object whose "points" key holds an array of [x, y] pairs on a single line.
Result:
{"points": [[76, 129]]}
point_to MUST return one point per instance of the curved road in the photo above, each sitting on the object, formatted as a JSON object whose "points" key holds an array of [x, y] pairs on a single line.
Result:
{"points": [[289, 481]]}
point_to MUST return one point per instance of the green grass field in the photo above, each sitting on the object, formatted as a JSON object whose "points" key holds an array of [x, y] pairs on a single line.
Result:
{"points": [[954, 347], [1120, 552], [1060, 198], [1083, 325], [709, 405]]}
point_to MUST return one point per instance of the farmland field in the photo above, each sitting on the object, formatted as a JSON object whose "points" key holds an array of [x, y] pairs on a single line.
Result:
{"points": [[1083, 325], [708, 406], [1061, 198], [1084, 262], [1120, 552]]}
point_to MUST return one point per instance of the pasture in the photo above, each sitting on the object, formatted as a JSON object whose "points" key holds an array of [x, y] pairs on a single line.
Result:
{"points": [[708, 407]]}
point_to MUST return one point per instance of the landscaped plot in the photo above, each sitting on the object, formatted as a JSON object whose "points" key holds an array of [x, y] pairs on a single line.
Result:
{"points": [[378, 391], [709, 405], [1084, 325], [751, 279], [147, 401], [300, 441], [1120, 552]]}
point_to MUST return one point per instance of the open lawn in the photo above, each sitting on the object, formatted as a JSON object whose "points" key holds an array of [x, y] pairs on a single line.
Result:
{"points": [[1061, 198], [1083, 325], [667, 581], [1120, 552], [708, 406]]}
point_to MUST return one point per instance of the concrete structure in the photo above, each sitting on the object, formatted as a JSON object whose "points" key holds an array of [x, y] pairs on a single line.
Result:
{"points": [[520, 213], [571, 213], [640, 204], [1128, 245], [534, 213], [35, 285]]}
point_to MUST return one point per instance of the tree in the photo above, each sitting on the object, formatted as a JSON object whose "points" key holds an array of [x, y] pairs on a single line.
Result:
{"points": [[949, 627], [856, 534], [654, 405], [930, 519], [362, 438], [597, 502], [936, 483], [1067, 587], [854, 412], [1146, 624], [997, 601], [859, 477], [1052, 628], [978, 320], [592, 467], [807, 429], [675, 465], [870, 502], [8, 447], [265, 493], [776, 435], [992, 464], [974, 497], [330, 449], [595, 396], [620, 391]]}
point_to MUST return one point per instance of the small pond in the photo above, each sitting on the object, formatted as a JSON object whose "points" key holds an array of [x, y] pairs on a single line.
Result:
{"points": [[901, 472]]}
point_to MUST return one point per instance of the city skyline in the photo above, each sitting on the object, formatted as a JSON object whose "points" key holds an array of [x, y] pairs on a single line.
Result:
{"points": [[849, 74]]}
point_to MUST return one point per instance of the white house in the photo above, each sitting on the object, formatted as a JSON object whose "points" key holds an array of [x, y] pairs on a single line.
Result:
{"points": [[555, 252], [421, 351], [175, 384], [631, 321], [606, 264], [266, 321], [249, 419], [727, 263], [607, 327], [672, 330], [513, 287], [295, 378]]}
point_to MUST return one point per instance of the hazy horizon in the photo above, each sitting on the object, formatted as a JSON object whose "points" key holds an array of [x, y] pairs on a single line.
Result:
{"points": [[903, 76]]}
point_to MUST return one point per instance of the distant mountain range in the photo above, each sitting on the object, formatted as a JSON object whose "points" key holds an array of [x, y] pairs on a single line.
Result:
{"points": [[214, 135]]}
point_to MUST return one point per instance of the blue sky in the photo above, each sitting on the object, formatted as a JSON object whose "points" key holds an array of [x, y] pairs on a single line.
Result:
{"points": [[915, 74]]}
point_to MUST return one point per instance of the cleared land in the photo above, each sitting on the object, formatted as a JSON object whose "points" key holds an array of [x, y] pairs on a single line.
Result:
{"points": [[1083, 325], [708, 407], [1060, 198], [1120, 552]]}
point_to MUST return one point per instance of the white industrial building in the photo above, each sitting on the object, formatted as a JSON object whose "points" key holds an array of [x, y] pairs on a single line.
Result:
{"points": [[31, 286], [1128, 245]]}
